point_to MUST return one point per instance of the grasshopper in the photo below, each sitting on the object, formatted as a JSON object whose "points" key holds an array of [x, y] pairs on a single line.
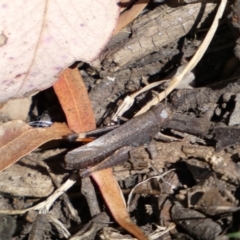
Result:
{"points": [[113, 147]]}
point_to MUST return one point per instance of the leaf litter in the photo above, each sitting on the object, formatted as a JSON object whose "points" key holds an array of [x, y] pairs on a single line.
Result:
{"points": [[210, 180]]}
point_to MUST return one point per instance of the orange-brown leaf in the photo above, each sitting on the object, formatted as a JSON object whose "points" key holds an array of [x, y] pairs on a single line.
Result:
{"points": [[73, 97], [17, 139], [114, 199], [129, 15], [70, 93], [125, 4]]}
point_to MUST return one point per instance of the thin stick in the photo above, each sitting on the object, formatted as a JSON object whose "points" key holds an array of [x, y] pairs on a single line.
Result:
{"points": [[193, 62], [44, 206]]}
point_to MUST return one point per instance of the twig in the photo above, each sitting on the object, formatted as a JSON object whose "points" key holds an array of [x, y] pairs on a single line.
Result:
{"points": [[44, 207], [132, 191], [129, 100], [175, 81]]}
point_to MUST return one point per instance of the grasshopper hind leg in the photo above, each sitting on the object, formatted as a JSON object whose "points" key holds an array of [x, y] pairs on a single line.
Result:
{"points": [[118, 157]]}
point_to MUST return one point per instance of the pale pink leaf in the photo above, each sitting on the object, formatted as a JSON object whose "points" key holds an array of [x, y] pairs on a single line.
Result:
{"points": [[39, 38]]}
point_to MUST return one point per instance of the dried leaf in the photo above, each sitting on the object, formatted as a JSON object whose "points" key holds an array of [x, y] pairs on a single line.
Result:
{"points": [[40, 38], [68, 90], [17, 139], [114, 199], [129, 15], [125, 4], [73, 97]]}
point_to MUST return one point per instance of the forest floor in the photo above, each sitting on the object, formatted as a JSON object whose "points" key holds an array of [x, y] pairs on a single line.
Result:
{"points": [[196, 195]]}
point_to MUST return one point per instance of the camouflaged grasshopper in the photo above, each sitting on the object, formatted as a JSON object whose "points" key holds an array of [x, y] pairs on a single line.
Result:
{"points": [[113, 147]]}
